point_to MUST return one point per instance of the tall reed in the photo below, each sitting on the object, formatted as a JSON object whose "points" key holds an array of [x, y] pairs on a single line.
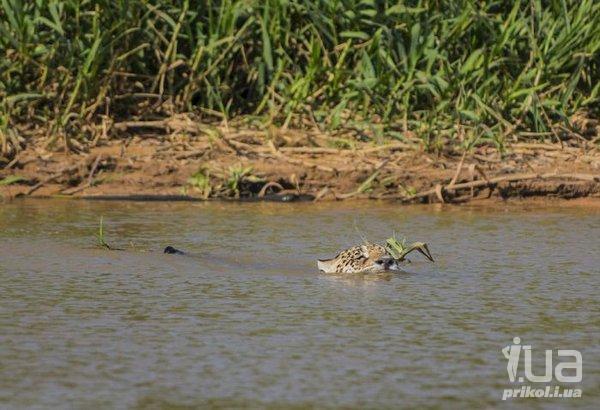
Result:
{"points": [[453, 70]]}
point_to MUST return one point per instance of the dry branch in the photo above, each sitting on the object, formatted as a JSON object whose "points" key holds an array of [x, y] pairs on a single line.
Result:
{"points": [[51, 178], [438, 190], [90, 180], [366, 184], [270, 184]]}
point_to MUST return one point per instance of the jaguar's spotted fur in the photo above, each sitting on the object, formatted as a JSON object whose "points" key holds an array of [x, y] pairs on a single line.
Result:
{"points": [[368, 258]]}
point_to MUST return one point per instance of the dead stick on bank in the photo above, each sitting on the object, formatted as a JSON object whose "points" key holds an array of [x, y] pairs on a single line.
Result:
{"points": [[90, 180], [366, 184], [51, 178], [458, 169], [93, 170], [507, 178]]}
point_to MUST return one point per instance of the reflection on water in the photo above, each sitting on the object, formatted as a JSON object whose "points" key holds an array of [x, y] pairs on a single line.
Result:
{"points": [[247, 321]]}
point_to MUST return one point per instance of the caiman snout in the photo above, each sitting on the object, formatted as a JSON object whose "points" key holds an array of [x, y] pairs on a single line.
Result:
{"points": [[173, 251]]}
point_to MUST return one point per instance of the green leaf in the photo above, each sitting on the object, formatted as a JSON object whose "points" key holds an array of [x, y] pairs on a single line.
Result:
{"points": [[473, 61], [11, 179], [51, 24], [267, 55], [91, 55], [15, 98], [525, 91], [470, 115], [354, 34], [402, 9]]}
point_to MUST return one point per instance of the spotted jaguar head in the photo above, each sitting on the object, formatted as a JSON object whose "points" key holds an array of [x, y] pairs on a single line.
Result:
{"points": [[368, 258]]}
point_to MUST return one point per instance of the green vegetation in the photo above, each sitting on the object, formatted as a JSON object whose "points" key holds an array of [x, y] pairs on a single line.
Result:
{"points": [[234, 182], [239, 175], [11, 179], [200, 182], [458, 71], [399, 250], [100, 236]]}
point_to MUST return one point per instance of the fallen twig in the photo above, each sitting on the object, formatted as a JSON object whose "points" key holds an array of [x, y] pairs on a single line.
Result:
{"points": [[366, 184], [191, 154], [458, 169], [540, 146], [51, 178], [271, 184], [90, 180], [503, 178], [321, 194], [125, 125], [176, 123], [14, 161], [93, 169], [312, 150], [391, 147]]}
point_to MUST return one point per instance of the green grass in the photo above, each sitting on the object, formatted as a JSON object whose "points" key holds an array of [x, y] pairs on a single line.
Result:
{"points": [[200, 182], [101, 241], [11, 179], [459, 71]]}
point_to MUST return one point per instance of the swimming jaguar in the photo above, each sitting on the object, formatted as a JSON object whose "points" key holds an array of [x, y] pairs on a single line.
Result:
{"points": [[369, 258]]}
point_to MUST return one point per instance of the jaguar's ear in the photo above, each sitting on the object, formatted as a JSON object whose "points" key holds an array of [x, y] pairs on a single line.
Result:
{"points": [[365, 251]]}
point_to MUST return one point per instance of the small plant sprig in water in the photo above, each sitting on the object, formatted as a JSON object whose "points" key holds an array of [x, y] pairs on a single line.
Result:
{"points": [[100, 237], [399, 250]]}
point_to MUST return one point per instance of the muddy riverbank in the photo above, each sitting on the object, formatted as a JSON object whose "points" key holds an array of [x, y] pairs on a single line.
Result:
{"points": [[181, 159]]}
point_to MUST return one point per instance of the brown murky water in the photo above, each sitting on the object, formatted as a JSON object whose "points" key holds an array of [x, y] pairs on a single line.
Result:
{"points": [[248, 322]]}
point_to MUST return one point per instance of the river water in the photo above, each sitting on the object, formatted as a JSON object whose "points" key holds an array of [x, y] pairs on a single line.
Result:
{"points": [[247, 321]]}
